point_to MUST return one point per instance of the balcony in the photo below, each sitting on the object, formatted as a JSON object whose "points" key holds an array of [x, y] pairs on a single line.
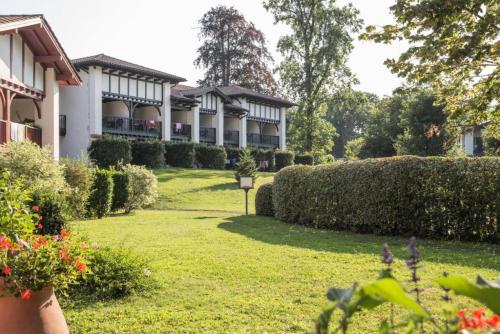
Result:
{"points": [[20, 132], [231, 137], [3, 132], [255, 139], [207, 135], [131, 127], [180, 132]]}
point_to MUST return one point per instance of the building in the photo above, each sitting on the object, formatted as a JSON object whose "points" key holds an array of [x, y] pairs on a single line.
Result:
{"points": [[121, 98], [471, 139], [33, 68]]}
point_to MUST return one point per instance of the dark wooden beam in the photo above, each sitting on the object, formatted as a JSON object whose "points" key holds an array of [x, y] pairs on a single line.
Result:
{"points": [[64, 77], [48, 59]]}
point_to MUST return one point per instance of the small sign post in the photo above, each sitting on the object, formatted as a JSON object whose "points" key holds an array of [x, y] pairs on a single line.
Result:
{"points": [[246, 183]]}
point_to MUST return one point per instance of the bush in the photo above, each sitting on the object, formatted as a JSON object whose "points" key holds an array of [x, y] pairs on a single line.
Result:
{"points": [[79, 178], [283, 159], [149, 153], [142, 187], [246, 166], [51, 209], [110, 151], [304, 159], [427, 197], [264, 200], [210, 156], [101, 196], [120, 190], [264, 155], [233, 156], [179, 154], [115, 273]]}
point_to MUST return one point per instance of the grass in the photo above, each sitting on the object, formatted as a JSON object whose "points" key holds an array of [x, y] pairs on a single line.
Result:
{"points": [[202, 189], [220, 272]]}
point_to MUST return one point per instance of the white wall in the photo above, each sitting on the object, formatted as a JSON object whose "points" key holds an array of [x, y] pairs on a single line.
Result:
{"points": [[180, 117], [22, 109], [50, 113], [252, 127], [75, 104], [147, 113], [270, 129], [4, 56], [114, 109], [231, 123], [208, 121]]}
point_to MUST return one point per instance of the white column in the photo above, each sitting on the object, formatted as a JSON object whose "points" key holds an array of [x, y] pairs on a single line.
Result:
{"points": [[95, 103], [195, 124], [219, 132], [243, 125], [469, 142], [166, 113], [50, 113], [282, 129]]}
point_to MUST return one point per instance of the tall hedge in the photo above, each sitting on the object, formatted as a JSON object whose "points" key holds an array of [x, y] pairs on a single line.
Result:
{"points": [[149, 153], [179, 154], [264, 200], [210, 156], [101, 196], [304, 159], [120, 190], [283, 159], [109, 151], [441, 198], [264, 155]]}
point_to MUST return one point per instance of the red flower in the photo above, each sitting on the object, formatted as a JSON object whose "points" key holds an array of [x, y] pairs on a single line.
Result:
{"points": [[63, 254], [80, 266], [40, 226], [35, 208], [55, 237], [478, 320], [64, 233], [494, 322], [4, 243], [25, 295], [6, 270]]}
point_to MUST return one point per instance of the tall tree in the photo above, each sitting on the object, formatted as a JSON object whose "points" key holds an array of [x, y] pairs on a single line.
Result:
{"points": [[348, 111], [233, 51], [455, 47], [314, 55]]}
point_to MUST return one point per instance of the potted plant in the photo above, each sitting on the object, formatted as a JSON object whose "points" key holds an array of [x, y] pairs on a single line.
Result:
{"points": [[32, 266]]}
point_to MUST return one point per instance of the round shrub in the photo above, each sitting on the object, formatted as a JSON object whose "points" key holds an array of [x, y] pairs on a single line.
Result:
{"points": [[283, 159], [149, 153], [142, 188], [179, 154], [304, 159], [264, 200], [443, 198], [79, 178], [210, 156], [51, 209], [110, 151], [120, 190], [101, 196], [114, 273]]}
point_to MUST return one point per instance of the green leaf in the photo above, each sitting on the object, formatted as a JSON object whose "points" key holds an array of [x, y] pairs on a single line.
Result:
{"points": [[388, 289], [489, 295], [384, 328], [341, 295]]}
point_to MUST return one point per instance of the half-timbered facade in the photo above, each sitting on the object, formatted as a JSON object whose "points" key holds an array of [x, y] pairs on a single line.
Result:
{"points": [[32, 67]]}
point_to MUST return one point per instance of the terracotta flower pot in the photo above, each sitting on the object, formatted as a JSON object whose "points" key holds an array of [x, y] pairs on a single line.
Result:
{"points": [[41, 314]]}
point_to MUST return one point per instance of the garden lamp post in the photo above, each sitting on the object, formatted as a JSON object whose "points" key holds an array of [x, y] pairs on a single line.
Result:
{"points": [[246, 183]]}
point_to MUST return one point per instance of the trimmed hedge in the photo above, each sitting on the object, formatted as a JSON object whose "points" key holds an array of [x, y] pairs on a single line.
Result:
{"points": [[264, 200], [283, 159], [179, 154], [101, 197], [304, 159], [109, 151], [210, 156], [264, 155], [120, 190], [149, 153], [441, 198]]}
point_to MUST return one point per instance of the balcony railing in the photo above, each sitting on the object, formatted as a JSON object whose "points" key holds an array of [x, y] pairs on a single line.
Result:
{"points": [[20, 132], [255, 139], [207, 135], [131, 127], [3, 132], [231, 137], [180, 131]]}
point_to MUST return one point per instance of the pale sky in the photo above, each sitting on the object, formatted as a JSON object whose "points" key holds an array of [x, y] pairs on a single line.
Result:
{"points": [[163, 34]]}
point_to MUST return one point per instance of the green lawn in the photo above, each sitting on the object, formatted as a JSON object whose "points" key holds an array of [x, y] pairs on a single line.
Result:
{"points": [[202, 189], [226, 273]]}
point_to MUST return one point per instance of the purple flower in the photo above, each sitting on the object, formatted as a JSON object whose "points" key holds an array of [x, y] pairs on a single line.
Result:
{"points": [[387, 257], [412, 247]]}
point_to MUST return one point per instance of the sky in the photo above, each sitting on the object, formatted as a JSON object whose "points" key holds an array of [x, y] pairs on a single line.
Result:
{"points": [[163, 34]]}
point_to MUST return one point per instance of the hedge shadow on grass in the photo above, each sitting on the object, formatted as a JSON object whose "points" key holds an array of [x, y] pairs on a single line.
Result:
{"points": [[271, 231]]}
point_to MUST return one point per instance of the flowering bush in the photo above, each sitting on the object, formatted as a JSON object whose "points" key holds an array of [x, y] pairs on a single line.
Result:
{"points": [[142, 187], [386, 289]]}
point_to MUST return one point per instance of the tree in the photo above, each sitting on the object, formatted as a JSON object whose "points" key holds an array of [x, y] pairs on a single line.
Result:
{"points": [[383, 128], [454, 46], [246, 166], [348, 111], [314, 55], [322, 133], [424, 127], [233, 51]]}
